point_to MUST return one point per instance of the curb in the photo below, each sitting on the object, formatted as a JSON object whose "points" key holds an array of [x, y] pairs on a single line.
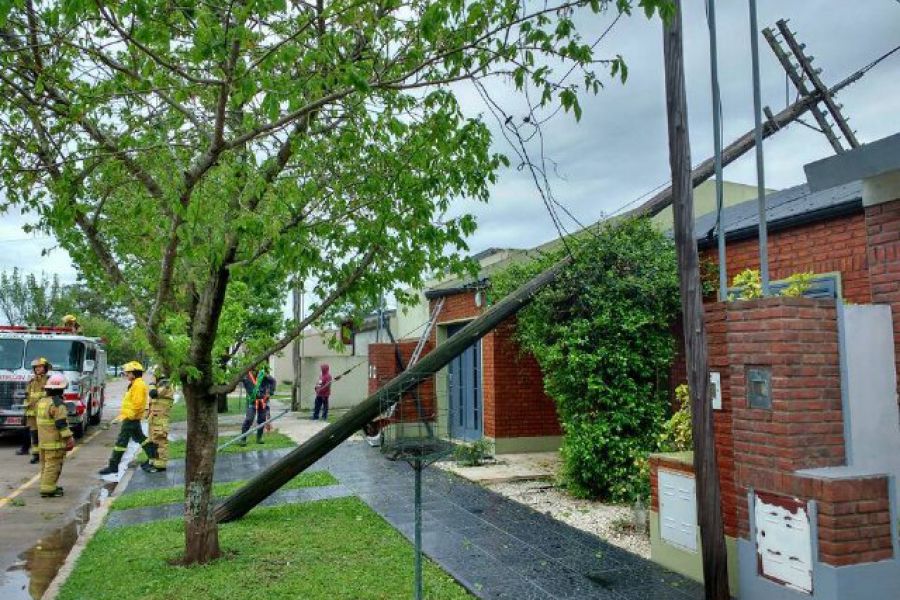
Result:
{"points": [[95, 522]]}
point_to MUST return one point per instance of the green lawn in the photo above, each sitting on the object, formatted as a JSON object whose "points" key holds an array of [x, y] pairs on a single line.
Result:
{"points": [[176, 494], [273, 440], [333, 549], [179, 409]]}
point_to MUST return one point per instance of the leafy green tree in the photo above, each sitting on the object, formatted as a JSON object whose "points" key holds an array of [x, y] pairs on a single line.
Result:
{"points": [[172, 148], [29, 299], [602, 335]]}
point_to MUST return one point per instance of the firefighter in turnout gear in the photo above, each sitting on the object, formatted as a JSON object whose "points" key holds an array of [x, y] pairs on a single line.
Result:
{"points": [[134, 404], [162, 395], [33, 393], [54, 436]]}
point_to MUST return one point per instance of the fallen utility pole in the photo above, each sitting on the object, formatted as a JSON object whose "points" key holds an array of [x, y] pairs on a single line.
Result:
{"points": [[709, 507], [269, 480], [741, 145], [252, 430]]}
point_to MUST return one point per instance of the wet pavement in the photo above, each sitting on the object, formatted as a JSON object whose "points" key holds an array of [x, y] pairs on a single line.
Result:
{"points": [[37, 533], [495, 547]]}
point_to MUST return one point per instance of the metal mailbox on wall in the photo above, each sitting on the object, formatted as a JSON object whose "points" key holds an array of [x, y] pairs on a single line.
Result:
{"points": [[783, 541], [678, 509]]}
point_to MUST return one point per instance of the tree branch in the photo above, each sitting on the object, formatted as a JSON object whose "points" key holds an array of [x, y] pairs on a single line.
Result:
{"points": [[297, 330]]}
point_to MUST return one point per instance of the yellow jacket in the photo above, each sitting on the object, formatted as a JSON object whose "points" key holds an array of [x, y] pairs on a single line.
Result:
{"points": [[134, 403]]}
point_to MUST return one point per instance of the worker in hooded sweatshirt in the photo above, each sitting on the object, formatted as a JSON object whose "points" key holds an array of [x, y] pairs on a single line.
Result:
{"points": [[134, 405], [54, 436], [323, 393]]}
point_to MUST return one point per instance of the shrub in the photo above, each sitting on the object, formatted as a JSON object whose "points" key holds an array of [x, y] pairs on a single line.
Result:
{"points": [[602, 334], [677, 434], [471, 455]]}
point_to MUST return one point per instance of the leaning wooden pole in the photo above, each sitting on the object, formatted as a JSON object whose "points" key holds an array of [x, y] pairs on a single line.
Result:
{"points": [[271, 479], [709, 508]]}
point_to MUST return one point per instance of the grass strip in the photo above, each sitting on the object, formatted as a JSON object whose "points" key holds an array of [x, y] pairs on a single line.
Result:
{"points": [[327, 550], [274, 440], [176, 494]]}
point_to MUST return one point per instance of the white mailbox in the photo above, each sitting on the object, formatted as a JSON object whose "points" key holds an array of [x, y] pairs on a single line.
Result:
{"points": [[783, 542]]}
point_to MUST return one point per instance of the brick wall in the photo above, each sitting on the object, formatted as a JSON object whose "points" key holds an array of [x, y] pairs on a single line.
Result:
{"points": [[515, 403], [513, 398], [835, 245], [797, 338], [854, 521], [717, 343], [383, 367], [883, 230]]}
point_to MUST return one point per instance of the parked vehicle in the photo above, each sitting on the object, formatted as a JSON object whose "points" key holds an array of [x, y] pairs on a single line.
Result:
{"points": [[80, 358]]}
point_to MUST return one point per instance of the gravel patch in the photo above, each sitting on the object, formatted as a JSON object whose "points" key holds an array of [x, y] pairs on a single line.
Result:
{"points": [[612, 523]]}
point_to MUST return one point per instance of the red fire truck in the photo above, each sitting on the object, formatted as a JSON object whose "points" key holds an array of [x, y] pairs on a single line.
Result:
{"points": [[81, 359]]}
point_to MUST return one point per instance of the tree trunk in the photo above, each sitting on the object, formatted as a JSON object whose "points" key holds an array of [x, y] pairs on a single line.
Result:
{"points": [[709, 507], [201, 533]]}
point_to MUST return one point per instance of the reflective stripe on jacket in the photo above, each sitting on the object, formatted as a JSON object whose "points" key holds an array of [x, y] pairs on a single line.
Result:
{"points": [[34, 391], [52, 423]]}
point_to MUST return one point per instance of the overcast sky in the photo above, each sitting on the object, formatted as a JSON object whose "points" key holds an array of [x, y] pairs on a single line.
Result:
{"points": [[618, 151]]}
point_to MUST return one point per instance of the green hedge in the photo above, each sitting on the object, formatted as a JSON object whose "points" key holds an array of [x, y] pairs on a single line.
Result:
{"points": [[602, 335]]}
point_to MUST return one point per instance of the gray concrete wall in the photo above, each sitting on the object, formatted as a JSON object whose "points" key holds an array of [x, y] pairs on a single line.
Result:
{"points": [[869, 581], [871, 415]]}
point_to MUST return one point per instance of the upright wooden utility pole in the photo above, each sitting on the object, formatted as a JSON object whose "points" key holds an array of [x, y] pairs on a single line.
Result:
{"points": [[297, 357], [709, 507]]}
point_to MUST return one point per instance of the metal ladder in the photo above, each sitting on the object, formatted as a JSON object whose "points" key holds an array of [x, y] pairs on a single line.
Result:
{"points": [[417, 352]]}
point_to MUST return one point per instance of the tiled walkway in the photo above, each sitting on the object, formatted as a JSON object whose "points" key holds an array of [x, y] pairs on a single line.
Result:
{"points": [[495, 547]]}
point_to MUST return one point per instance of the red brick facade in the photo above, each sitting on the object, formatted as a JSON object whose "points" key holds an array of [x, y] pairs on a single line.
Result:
{"points": [[514, 402], [797, 339], [762, 449], [833, 246], [513, 397], [883, 230], [383, 367]]}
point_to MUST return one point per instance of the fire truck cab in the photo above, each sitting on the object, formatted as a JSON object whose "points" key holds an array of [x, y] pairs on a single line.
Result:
{"points": [[81, 359]]}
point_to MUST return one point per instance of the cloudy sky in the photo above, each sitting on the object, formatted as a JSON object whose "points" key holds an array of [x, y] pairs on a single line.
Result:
{"points": [[618, 151]]}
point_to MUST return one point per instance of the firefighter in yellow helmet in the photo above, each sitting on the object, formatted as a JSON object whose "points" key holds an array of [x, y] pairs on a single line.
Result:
{"points": [[34, 392], [72, 323], [162, 395], [134, 404], [54, 436]]}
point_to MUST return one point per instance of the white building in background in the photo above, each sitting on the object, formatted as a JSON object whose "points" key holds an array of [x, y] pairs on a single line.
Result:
{"points": [[318, 347]]}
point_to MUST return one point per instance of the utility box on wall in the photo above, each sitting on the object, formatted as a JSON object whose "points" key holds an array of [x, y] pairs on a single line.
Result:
{"points": [[678, 509]]}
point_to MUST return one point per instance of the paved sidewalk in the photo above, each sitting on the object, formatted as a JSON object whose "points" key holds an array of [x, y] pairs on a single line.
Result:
{"points": [[495, 547]]}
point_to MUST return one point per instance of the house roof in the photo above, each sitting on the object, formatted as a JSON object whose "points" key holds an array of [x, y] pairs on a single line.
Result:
{"points": [[786, 208]]}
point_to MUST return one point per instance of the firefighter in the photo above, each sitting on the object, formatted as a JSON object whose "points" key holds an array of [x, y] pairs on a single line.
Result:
{"points": [[259, 387], [162, 394], [34, 392], [72, 323], [54, 436], [134, 404]]}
